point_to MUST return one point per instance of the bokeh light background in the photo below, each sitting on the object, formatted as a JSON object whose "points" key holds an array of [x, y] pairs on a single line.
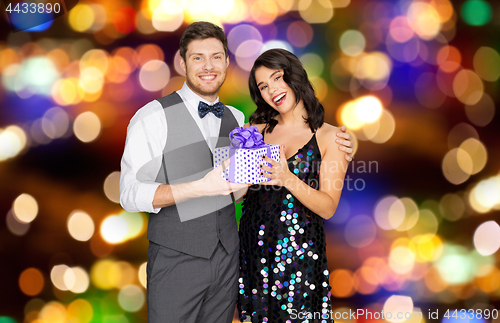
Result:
{"points": [[416, 83]]}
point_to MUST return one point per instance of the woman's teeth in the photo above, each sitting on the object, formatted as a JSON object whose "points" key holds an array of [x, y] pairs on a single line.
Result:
{"points": [[278, 98]]}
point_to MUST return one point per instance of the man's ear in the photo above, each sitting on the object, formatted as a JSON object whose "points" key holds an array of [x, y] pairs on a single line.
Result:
{"points": [[183, 65], [227, 61]]}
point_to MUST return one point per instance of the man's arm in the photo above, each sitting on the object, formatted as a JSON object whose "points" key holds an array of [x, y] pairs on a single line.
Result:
{"points": [[211, 185], [141, 160]]}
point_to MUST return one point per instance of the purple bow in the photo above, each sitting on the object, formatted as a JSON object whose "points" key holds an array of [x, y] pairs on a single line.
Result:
{"points": [[246, 138]]}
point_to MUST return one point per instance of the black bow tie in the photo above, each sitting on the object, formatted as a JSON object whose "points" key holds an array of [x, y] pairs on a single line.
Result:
{"points": [[217, 109]]}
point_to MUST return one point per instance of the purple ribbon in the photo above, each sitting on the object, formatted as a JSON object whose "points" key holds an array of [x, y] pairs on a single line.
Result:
{"points": [[246, 138]]}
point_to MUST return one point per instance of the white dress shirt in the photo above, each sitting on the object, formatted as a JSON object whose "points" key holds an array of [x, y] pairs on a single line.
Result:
{"points": [[146, 139]]}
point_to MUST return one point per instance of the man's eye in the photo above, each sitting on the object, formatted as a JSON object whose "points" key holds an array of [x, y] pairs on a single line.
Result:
{"points": [[217, 57], [197, 58]]}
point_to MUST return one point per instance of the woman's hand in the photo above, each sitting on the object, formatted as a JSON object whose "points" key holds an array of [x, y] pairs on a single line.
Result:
{"points": [[279, 173]]}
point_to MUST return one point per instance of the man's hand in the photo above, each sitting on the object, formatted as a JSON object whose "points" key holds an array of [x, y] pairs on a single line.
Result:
{"points": [[345, 143], [213, 183]]}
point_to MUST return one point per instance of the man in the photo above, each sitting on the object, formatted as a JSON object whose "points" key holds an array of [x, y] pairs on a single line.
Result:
{"points": [[167, 170]]}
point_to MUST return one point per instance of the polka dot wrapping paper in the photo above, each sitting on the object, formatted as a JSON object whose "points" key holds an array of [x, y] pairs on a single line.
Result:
{"points": [[244, 166]]}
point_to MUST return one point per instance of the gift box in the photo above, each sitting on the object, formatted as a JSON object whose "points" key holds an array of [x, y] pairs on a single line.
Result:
{"points": [[246, 151]]}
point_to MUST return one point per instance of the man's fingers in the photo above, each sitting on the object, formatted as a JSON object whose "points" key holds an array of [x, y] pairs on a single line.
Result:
{"points": [[344, 135], [225, 164], [347, 150], [346, 143]]}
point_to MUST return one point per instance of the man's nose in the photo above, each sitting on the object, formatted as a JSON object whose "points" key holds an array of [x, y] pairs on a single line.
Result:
{"points": [[208, 64]]}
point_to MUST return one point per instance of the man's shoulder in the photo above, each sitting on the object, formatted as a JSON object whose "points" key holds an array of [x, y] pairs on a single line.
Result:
{"points": [[237, 113], [170, 99], [150, 108]]}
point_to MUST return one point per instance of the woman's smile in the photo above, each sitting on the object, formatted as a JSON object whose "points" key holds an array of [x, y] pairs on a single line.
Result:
{"points": [[279, 99]]}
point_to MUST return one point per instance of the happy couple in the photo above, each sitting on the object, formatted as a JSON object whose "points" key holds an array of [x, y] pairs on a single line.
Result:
{"points": [[199, 264]]}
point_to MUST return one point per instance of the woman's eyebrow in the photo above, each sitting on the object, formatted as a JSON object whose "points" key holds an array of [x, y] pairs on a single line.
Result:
{"points": [[269, 77]]}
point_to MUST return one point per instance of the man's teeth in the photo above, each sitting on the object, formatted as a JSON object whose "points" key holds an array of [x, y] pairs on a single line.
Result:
{"points": [[279, 97], [208, 77]]}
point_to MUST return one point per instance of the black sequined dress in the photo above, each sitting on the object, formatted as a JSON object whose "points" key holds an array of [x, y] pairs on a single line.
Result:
{"points": [[283, 266]]}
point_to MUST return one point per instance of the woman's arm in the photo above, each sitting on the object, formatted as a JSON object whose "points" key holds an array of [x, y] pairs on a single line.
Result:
{"points": [[333, 167]]}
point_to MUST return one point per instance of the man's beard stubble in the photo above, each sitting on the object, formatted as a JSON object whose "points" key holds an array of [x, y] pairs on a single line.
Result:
{"points": [[200, 91]]}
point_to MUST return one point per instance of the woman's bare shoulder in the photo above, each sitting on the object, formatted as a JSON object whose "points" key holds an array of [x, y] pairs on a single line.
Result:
{"points": [[327, 131], [326, 136]]}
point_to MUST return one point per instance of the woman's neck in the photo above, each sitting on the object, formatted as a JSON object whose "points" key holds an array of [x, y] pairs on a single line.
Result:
{"points": [[294, 117]]}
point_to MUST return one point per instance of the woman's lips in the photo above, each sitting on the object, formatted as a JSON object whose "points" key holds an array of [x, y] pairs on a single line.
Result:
{"points": [[281, 98]]}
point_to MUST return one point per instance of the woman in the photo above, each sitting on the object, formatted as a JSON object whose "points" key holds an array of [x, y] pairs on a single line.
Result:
{"points": [[283, 268]]}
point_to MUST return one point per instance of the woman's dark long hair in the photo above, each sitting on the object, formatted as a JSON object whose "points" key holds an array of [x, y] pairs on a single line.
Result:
{"points": [[296, 77]]}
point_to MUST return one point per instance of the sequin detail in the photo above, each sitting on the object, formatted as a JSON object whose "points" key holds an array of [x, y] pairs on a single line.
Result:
{"points": [[283, 265]]}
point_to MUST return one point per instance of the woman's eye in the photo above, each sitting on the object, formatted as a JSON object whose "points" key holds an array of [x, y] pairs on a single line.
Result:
{"points": [[277, 78], [262, 88]]}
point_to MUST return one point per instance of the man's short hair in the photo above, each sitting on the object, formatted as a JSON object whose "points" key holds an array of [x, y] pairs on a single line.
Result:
{"points": [[201, 30]]}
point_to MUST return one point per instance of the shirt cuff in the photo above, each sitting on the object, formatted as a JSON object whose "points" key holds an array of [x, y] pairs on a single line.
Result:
{"points": [[145, 195]]}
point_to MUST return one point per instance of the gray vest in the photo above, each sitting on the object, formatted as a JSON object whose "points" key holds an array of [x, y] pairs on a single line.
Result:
{"points": [[196, 225]]}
